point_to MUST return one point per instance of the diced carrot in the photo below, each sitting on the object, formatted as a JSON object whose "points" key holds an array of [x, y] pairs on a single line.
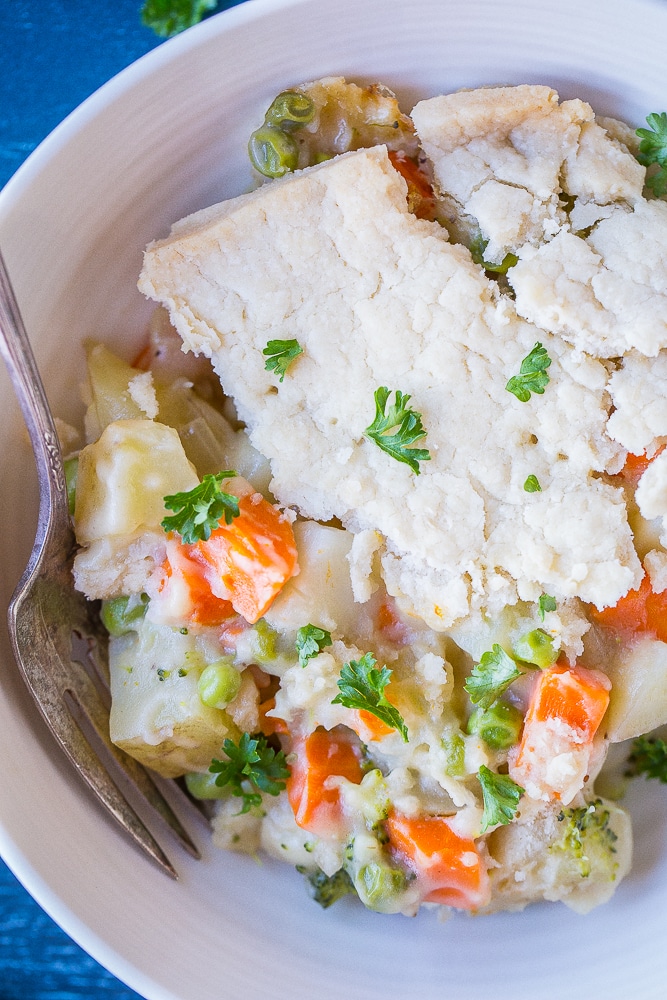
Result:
{"points": [[576, 696], [188, 592], [314, 759], [270, 724], [143, 359], [635, 467], [389, 623], [367, 726], [248, 561], [564, 714], [640, 611], [421, 198], [449, 867]]}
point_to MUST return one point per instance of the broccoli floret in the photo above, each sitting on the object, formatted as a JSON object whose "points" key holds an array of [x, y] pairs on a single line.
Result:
{"points": [[587, 836], [648, 757], [327, 889]]}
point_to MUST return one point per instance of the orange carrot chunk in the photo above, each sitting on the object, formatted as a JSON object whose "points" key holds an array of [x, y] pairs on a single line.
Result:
{"points": [[314, 759], [449, 867], [639, 612], [574, 695], [248, 561], [564, 714], [635, 467], [421, 197], [271, 724], [187, 591]]}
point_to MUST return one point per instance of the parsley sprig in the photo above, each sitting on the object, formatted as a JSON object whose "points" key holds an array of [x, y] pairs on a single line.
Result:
{"points": [[279, 356], [488, 679], [532, 375], [653, 149], [649, 757], [406, 424], [252, 767], [501, 797], [311, 640], [200, 510], [169, 17], [362, 686]]}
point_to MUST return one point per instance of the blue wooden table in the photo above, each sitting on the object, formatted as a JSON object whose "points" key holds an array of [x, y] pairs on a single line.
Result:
{"points": [[55, 53]]}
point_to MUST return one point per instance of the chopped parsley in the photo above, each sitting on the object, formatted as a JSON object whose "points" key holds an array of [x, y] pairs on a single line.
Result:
{"points": [[495, 671], [362, 686], [501, 798], [311, 640], [406, 425], [546, 603], [200, 510], [169, 17], [279, 356], [252, 767], [532, 485], [532, 375], [649, 757], [653, 150]]}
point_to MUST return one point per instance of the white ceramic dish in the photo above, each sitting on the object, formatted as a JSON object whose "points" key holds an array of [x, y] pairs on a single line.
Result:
{"points": [[164, 138]]}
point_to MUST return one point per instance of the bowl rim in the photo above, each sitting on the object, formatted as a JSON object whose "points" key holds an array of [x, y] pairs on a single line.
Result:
{"points": [[14, 191]]}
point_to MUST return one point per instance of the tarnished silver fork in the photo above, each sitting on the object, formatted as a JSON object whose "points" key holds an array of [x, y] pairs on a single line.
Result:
{"points": [[58, 643]]}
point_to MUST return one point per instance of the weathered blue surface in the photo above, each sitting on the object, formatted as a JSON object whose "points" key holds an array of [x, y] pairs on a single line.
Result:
{"points": [[55, 53]]}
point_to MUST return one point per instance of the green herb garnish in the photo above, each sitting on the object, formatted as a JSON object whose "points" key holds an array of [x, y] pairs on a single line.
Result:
{"points": [[495, 671], [252, 767], [169, 17], [200, 510], [501, 798], [279, 356], [406, 424], [362, 686], [311, 640], [546, 603], [532, 485], [532, 375], [653, 149]]}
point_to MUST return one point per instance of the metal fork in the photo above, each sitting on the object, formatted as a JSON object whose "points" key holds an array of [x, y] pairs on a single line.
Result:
{"points": [[59, 645]]}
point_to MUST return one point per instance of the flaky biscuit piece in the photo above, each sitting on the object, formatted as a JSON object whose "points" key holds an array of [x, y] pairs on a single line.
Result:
{"points": [[331, 257]]}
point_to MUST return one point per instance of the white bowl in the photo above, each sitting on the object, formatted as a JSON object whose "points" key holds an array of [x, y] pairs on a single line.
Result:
{"points": [[164, 138]]}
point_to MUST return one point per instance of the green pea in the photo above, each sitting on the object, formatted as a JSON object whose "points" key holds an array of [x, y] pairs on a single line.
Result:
{"points": [[272, 151], [203, 786], [536, 647], [71, 473], [376, 884], [120, 614], [219, 683], [499, 726], [290, 110]]}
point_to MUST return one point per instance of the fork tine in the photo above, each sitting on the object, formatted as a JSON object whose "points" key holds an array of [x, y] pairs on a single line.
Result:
{"points": [[45, 612], [49, 673], [90, 714], [90, 650]]}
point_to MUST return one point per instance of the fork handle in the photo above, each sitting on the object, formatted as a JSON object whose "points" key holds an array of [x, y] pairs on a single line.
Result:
{"points": [[18, 356]]}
